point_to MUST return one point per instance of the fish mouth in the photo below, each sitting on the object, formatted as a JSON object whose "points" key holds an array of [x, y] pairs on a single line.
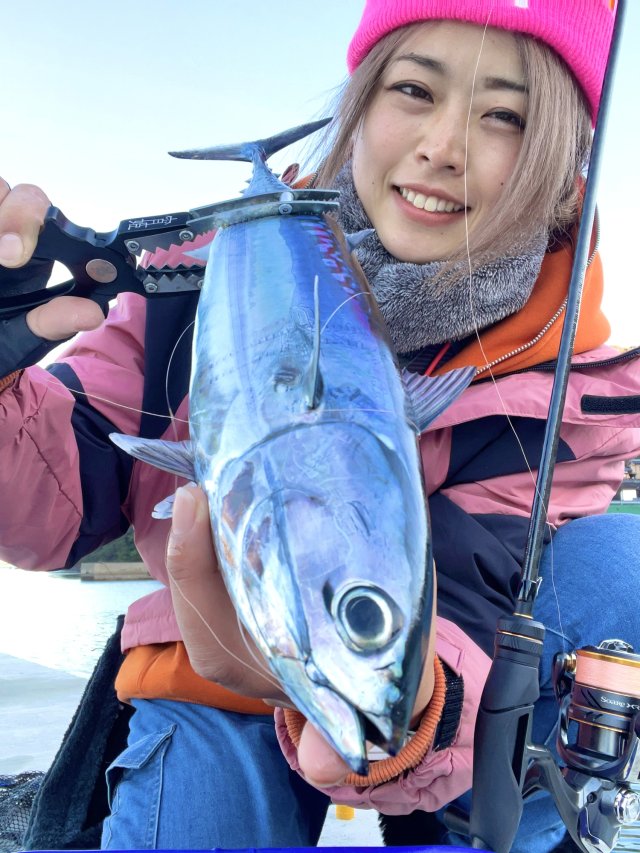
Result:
{"points": [[346, 727]]}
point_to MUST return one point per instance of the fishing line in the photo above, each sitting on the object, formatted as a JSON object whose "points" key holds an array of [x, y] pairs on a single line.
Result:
{"points": [[57, 383], [170, 417], [394, 415], [392, 412], [172, 414], [166, 380], [342, 304], [264, 671], [250, 647], [475, 323], [469, 263], [563, 636], [209, 628]]}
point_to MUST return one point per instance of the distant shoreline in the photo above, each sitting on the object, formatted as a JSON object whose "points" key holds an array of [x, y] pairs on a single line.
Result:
{"points": [[114, 572], [100, 571]]}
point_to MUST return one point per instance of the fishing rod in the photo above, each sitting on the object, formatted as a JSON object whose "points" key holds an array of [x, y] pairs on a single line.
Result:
{"points": [[591, 791]]}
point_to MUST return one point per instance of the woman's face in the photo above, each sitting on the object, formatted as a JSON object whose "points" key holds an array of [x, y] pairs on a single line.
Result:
{"points": [[426, 150]]}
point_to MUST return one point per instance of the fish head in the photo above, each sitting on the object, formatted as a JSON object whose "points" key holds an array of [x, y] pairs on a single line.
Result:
{"points": [[324, 536]]}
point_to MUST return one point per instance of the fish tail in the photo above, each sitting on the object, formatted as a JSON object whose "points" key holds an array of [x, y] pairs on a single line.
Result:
{"points": [[247, 151]]}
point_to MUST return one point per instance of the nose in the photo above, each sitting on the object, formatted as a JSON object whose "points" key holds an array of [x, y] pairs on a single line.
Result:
{"points": [[443, 139]]}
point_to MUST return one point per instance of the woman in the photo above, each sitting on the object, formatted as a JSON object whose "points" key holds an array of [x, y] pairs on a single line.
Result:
{"points": [[461, 139]]}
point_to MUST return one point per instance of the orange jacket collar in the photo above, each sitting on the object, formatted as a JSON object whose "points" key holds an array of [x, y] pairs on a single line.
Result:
{"points": [[532, 335]]}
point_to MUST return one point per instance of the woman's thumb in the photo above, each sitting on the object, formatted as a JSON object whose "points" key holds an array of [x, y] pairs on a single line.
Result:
{"points": [[64, 317]]}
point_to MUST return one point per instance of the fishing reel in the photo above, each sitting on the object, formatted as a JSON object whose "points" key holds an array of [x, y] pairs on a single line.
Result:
{"points": [[595, 784], [597, 792]]}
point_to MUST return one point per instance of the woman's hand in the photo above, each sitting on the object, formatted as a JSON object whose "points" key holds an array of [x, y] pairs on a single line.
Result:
{"points": [[221, 651], [22, 212]]}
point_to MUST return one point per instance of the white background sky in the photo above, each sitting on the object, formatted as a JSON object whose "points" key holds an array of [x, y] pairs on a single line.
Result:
{"points": [[93, 95]]}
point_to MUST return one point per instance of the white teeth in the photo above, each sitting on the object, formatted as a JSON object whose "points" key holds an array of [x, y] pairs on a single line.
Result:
{"points": [[430, 203]]}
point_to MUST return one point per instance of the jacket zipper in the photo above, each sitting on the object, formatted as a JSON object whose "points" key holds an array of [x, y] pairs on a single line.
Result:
{"points": [[526, 346], [586, 365], [548, 325]]}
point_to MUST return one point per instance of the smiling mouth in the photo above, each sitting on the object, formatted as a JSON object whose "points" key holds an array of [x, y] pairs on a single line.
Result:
{"points": [[430, 203]]}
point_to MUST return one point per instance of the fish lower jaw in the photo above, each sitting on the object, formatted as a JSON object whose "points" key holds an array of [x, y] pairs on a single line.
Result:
{"points": [[342, 721], [385, 732]]}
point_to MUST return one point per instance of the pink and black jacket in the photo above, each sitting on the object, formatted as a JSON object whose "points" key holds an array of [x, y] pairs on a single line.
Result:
{"points": [[67, 489]]}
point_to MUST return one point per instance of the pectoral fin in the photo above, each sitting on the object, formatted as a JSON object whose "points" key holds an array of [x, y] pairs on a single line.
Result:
{"points": [[164, 509], [175, 457], [429, 396]]}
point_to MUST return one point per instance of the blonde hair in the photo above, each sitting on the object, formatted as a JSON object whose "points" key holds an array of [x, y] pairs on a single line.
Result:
{"points": [[543, 194]]}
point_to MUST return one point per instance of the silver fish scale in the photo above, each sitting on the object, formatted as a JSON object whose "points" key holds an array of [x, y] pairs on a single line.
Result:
{"points": [[309, 503], [261, 334]]}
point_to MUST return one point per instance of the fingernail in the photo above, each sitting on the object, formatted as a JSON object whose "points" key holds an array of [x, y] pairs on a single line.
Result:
{"points": [[11, 249], [184, 512]]}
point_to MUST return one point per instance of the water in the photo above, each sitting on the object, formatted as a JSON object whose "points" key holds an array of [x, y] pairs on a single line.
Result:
{"points": [[61, 622]]}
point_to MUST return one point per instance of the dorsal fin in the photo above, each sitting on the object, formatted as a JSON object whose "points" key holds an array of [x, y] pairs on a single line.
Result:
{"points": [[357, 237], [312, 378], [429, 396]]}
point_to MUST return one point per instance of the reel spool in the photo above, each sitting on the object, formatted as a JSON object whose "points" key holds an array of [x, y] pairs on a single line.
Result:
{"points": [[599, 725]]}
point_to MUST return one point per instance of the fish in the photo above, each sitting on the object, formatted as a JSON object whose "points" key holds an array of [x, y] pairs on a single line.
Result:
{"points": [[304, 436]]}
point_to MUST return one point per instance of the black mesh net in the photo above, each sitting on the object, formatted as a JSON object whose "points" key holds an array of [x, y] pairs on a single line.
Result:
{"points": [[17, 794]]}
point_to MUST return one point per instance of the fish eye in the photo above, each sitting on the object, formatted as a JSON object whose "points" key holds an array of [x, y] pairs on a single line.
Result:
{"points": [[366, 618]]}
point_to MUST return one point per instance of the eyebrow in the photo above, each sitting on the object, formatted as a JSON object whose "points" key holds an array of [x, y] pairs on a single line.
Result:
{"points": [[424, 61], [489, 83], [494, 83]]}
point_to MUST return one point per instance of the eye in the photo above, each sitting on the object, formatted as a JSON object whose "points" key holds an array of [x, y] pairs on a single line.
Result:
{"points": [[413, 90], [508, 117], [365, 617]]}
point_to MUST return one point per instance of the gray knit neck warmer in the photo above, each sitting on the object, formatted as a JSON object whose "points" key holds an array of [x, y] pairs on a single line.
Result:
{"points": [[419, 312]]}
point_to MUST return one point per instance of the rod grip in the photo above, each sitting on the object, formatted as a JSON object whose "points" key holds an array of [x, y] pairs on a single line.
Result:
{"points": [[503, 731]]}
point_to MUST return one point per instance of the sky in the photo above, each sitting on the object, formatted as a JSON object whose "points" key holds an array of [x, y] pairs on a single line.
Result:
{"points": [[93, 95]]}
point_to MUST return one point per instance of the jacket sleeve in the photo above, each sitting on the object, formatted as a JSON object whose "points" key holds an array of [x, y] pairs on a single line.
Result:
{"points": [[66, 480]]}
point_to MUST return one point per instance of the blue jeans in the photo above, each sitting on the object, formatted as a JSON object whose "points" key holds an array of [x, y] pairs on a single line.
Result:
{"points": [[195, 777]]}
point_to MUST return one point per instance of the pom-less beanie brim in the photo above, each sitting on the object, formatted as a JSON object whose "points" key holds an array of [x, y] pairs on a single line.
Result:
{"points": [[579, 31]]}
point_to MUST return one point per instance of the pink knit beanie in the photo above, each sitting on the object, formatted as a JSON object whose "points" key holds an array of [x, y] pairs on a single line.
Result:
{"points": [[578, 30]]}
